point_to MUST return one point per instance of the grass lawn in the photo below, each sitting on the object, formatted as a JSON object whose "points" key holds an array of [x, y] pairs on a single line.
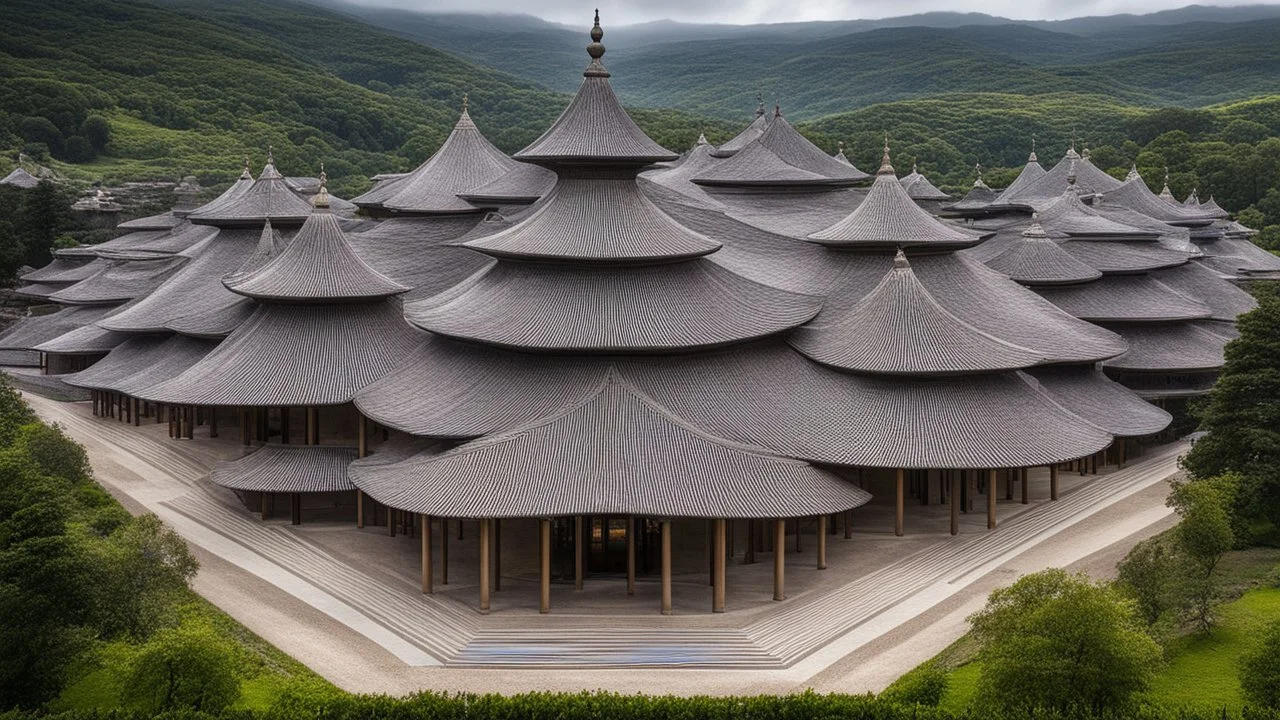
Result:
{"points": [[1201, 672], [1202, 669]]}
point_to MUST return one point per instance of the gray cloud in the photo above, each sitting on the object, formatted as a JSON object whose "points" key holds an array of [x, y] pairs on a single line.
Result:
{"points": [[618, 12]]}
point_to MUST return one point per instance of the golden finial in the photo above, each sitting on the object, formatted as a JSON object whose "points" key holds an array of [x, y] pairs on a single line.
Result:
{"points": [[466, 97]]}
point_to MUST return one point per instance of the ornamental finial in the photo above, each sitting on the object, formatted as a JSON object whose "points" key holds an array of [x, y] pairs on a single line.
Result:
{"points": [[321, 200], [900, 261], [596, 51], [885, 167], [245, 174], [1032, 158], [466, 99]]}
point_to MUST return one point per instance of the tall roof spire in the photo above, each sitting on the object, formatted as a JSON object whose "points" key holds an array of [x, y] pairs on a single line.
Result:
{"points": [[885, 167], [596, 51], [1165, 192], [977, 169], [1032, 157], [1071, 177], [466, 97], [321, 200], [759, 103], [245, 174], [777, 108]]}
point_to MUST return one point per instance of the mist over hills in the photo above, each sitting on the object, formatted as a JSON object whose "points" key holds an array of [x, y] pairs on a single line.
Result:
{"points": [[1189, 57]]}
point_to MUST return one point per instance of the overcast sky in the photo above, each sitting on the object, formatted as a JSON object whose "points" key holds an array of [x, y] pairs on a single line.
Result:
{"points": [[620, 12]]}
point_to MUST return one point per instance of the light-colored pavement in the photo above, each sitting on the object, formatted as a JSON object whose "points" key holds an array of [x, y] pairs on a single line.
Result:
{"points": [[368, 629]]}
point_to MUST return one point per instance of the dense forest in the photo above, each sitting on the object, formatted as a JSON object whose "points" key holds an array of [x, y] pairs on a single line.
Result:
{"points": [[134, 90]]}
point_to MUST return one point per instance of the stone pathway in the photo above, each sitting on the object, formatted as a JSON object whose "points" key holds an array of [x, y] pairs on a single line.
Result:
{"points": [[802, 635]]}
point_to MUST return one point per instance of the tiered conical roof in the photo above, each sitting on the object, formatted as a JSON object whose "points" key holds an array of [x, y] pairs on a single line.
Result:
{"points": [[899, 328], [1135, 195], [465, 162], [1073, 169], [888, 218], [253, 202], [320, 306], [1038, 260], [781, 156], [977, 200]]}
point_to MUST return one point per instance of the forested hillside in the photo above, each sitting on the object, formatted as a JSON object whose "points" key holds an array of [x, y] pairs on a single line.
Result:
{"points": [[190, 87]]}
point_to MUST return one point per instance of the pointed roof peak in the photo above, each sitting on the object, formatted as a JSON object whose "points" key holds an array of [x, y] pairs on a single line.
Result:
{"points": [[1035, 231], [596, 51], [885, 167], [900, 261], [1032, 157], [777, 109], [977, 182], [321, 200], [1133, 172], [759, 104], [245, 174], [702, 140]]}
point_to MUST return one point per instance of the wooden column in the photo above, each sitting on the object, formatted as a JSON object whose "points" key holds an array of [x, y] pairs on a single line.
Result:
{"points": [[391, 521], [749, 556], [955, 501], [631, 555], [484, 531], [295, 502], [244, 426], [444, 550], [991, 500], [544, 565], [497, 554], [822, 542], [717, 564], [577, 552], [313, 425], [362, 443], [359, 508], [428, 573], [848, 524], [666, 567], [262, 503], [1053, 482], [1025, 496], [1120, 453], [137, 414], [779, 559], [898, 505]]}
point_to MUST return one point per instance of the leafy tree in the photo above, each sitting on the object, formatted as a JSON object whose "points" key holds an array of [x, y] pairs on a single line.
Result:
{"points": [[145, 571], [1203, 535], [1260, 670], [78, 150], [1151, 574], [41, 130], [1059, 642], [97, 131], [184, 668], [1242, 416], [926, 685]]}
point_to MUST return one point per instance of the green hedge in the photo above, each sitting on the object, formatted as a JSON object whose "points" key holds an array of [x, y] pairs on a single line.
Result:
{"points": [[322, 705]]}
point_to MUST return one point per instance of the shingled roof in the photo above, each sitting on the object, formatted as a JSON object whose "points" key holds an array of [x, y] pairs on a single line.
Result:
{"points": [[749, 134], [1117, 298], [1169, 347], [288, 469], [594, 129], [1089, 393], [1088, 179], [317, 266], [119, 282], [1037, 260], [20, 178], [615, 451], [465, 161], [781, 156], [141, 361], [1135, 194], [918, 186], [269, 197], [899, 328], [889, 218]]}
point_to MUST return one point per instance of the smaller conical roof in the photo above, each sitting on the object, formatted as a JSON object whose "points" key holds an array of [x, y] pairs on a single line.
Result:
{"points": [[465, 161], [781, 156], [1037, 260], [899, 328], [919, 187], [318, 266], [1135, 195], [748, 135], [1069, 216], [1088, 179], [1192, 200], [270, 244], [888, 217], [1213, 209], [269, 197], [594, 129]]}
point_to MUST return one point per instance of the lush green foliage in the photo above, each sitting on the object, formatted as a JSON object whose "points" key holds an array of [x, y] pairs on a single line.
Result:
{"points": [[189, 87], [188, 667], [1242, 416], [1260, 669], [826, 67], [1061, 642], [32, 221]]}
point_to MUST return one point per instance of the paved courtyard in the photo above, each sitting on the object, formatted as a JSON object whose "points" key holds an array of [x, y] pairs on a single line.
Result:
{"points": [[347, 601]]}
